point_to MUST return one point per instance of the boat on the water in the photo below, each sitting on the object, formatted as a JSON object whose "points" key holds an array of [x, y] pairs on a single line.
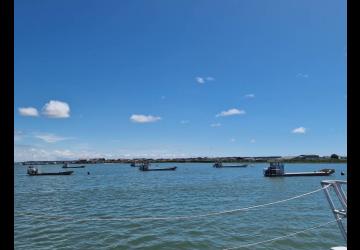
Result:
{"points": [[220, 165], [32, 171], [276, 169], [67, 166], [145, 167]]}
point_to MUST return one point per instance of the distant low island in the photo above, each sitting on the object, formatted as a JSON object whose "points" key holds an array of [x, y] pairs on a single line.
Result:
{"points": [[289, 159]]}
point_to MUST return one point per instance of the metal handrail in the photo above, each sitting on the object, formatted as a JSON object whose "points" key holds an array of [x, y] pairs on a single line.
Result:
{"points": [[341, 213]]}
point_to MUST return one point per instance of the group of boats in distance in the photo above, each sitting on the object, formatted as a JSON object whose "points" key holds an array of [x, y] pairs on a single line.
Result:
{"points": [[276, 169]]}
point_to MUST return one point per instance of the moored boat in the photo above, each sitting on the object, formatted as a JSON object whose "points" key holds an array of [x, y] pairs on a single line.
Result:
{"points": [[220, 165], [67, 166], [145, 167], [276, 169], [32, 171]]}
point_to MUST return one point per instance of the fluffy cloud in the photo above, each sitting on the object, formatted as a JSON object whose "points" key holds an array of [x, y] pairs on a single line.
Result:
{"points": [[56, 109], [35, 153], [51, 138], [299, 130], [202, 80], [252, 141], [144, 118], [232, 140], [249, 96], [301, 75], [29, 111], [215, 125], [231, 112]]}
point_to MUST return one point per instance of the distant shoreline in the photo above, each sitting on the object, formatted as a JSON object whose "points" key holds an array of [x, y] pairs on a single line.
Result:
{"points": [[192, 160]]}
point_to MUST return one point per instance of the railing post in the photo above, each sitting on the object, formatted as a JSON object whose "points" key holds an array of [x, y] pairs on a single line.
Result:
{"points": [[343, 200]]}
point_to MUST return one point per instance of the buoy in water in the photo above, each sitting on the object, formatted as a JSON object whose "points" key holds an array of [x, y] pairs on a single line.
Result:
{"points": [[88, 173], [342, 173]]}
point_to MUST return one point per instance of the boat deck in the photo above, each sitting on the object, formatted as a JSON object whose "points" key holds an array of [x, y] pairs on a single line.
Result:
{"points": [[159, 169], [234, 166], [317, 173]]}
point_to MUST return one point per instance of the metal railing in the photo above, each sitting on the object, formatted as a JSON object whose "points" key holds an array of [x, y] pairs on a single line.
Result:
{"points": [[339, 211]]}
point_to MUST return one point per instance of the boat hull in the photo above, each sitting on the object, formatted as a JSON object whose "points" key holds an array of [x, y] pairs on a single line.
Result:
{"points": [[158, 169], [316, 173], [75, 167], [233, 166], [60, 173]]}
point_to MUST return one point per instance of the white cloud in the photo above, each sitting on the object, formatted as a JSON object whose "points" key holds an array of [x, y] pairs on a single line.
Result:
{"points": [[215, 125], [29, 111], [232, 140], [184, 122], [56, 109], [51, 138], [231, 112], [209, 78], [35, 153], [302, 75], [252, 141], [202, 80], [144, 118], [299, 130], [249, 96]]}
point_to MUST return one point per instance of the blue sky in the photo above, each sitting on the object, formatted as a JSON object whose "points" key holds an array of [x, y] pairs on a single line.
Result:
{"points": [[179, 78]]}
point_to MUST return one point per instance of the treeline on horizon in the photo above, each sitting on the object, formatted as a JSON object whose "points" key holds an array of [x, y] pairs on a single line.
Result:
{"points": [[298, 159]]}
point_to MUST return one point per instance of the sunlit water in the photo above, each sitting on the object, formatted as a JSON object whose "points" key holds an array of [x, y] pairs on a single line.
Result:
{"points": [[58, 212]]}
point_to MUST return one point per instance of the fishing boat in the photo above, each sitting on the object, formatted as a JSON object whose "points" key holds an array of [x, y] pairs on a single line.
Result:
{"points": [[145, 167], [276, 169], [32, 171], [67, 166], [220, 165]]}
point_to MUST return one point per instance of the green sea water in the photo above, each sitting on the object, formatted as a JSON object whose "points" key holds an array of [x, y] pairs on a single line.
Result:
{"points": [[84, 211]]}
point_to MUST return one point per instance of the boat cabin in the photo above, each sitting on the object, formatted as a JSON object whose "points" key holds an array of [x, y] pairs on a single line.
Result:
{"points": [[144, 166], [32, 170], [275, 169], [217, 165]]}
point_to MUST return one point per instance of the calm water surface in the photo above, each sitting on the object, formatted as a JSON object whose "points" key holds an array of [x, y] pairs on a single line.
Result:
{"points": [[66, 212]]}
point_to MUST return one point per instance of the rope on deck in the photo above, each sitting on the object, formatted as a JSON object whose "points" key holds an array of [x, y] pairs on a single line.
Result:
{"points": [[181, 217], [282, 237]]}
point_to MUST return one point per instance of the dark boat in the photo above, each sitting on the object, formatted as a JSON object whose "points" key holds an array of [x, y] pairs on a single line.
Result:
{"points": [[32, 171], [276, 169], [133, 164], [145, 167], [220, 165], [67, 166]]}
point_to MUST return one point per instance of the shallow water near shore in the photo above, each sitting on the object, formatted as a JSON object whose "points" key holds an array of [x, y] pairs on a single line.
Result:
{"points": [[72, 212]]}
